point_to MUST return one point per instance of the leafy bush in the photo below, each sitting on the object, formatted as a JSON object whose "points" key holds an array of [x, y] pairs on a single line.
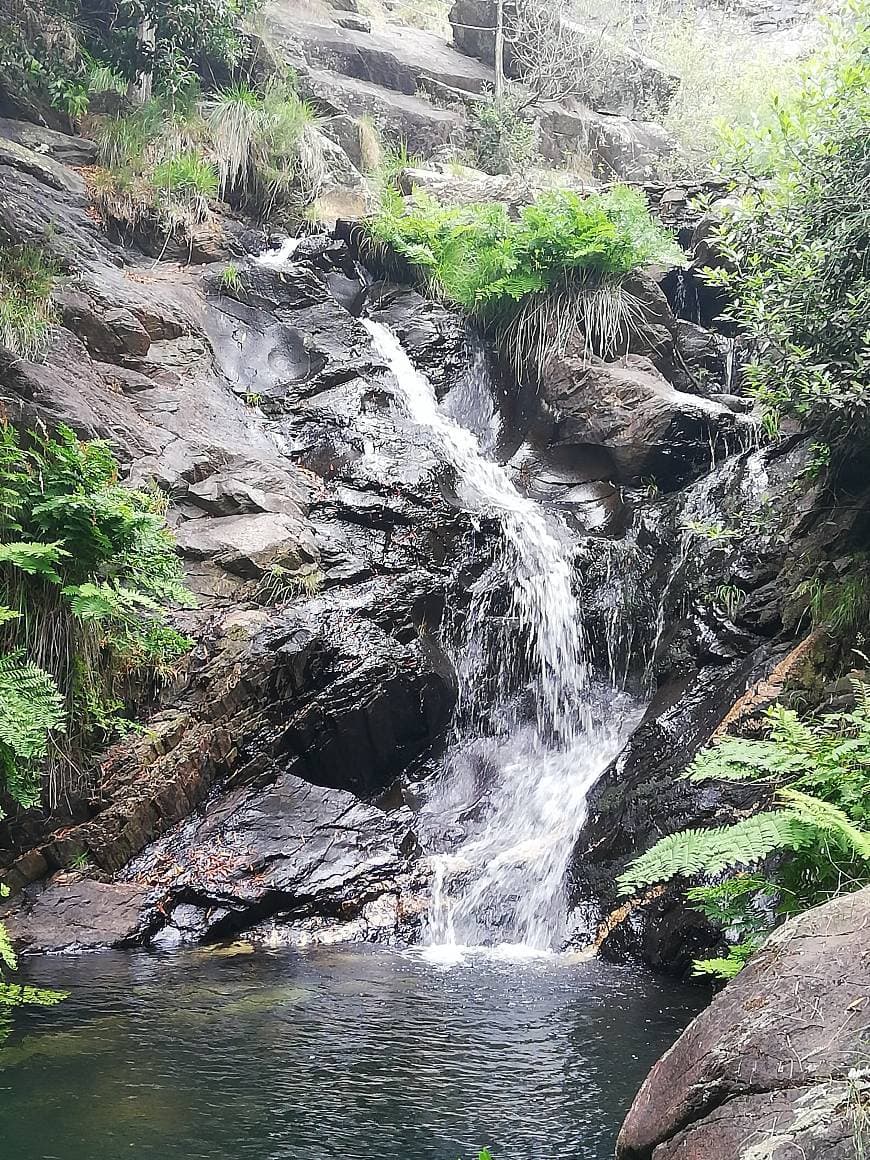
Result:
{"points": [[502, 138], [26, 312], [815, 775], [797, 251], [534, 280], [87, 572], [727, 77]]}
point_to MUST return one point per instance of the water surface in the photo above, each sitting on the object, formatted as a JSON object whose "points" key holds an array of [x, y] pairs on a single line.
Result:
{"points": [[330, 1052]]}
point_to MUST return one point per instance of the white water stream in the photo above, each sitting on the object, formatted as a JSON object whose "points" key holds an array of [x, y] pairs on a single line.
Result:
{"points": [[534, 730]]}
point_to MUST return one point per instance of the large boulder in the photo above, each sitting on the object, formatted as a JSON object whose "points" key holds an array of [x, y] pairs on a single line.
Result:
{"points": [[401, 118], [776, 1065], [648, 428], [395, 57], [77, 914]]}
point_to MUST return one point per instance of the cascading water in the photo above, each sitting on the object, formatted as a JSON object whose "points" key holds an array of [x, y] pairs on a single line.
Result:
{"points": [[535, 728]]}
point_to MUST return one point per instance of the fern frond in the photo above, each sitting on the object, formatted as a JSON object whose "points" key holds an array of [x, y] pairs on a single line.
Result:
{"points": [[739, 759], [36, 559], [30, 709], [20, 994], [821, 815], [7, 951], [691, 852]]}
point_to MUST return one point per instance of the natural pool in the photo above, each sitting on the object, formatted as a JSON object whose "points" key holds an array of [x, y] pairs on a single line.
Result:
{"points": [[357, 1053]]}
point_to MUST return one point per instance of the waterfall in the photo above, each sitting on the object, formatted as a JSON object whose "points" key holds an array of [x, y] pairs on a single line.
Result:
{"points": [[535, 727]]}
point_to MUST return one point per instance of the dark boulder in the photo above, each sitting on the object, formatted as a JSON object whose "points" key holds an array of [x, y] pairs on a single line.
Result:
{"points": [[77, 914], [648, 428]]}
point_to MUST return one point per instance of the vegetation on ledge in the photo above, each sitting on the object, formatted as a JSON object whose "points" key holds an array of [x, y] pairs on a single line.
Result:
{"points": [[797, 247], [534, 281]]}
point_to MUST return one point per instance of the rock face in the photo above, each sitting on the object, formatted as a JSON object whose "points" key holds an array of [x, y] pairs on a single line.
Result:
{"points": [[776, 1066], [629, 82], [318, 564], [706, 656], [632, 412]]}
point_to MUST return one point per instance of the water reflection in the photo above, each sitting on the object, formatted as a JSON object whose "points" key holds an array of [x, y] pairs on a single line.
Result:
{"points": [[330, 1052]]}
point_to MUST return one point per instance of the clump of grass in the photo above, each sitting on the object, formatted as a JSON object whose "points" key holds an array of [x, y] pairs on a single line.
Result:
{"points": [[533, 281], [230, 278], [280, 584], [841, 604], [233, 116], [184, 185], [26, 311]]}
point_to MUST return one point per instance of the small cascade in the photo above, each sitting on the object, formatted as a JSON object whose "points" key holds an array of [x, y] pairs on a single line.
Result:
{"points": [[277, 258], [535, 726]]}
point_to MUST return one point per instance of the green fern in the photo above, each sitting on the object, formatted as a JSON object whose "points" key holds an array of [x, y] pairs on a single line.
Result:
{"points": [[821, 816], [728, 966], [36, 559], [88, 572], [31, 708], [691, 852], [818, 769]]}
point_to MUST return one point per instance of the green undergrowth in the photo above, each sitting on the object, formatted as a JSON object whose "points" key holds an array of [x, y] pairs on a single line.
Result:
{"points": [[70, 55], [13, 994], [26, 311], [796, 248], [807, 842], [535, 280], [88, 572], [167, 162]]}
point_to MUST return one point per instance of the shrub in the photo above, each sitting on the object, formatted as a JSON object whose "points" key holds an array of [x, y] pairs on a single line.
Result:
{"points": [[535, 280], [88, 571], [26, 311], [727, 76], [815, 776], [502, 138], [797, 251]]}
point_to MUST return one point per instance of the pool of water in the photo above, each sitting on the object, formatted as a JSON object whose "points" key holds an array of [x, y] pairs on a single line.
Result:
{"points": [[235, 1054]]}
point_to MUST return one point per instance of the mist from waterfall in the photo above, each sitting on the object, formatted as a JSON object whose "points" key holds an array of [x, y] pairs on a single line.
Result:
{"points": [[535, 724]]}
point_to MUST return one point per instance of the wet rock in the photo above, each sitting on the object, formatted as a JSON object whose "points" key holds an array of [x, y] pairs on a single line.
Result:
{"points": [[250, 545], [434, 337], [77, 914], [47, 142], [45, 204], [111, 335], [716, 668], [649, 429], [767, 1069], [248, 486], [293, 851]]}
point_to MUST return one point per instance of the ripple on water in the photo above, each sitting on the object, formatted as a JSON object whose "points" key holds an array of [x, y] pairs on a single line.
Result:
{"points": [[346, 1051]]}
